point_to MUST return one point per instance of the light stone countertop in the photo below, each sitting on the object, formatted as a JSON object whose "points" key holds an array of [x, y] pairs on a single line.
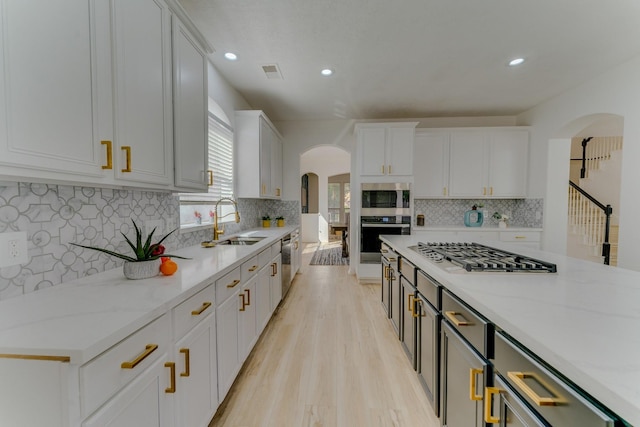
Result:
{"points": [[83, 318], [484, 227], [584, 320]]}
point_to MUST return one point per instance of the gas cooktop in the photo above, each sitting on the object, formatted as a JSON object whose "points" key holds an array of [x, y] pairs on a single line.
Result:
{"points": [[476, 257]]}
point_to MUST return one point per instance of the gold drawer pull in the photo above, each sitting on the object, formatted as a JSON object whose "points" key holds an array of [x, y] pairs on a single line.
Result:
{"points": [[521, 237], [452, 316], [127, 150], [243, 303], [210, 172], [254, 268], [278, 192], [491, 191], [384, 251], [233, 284], [274, 269], [172, 368], [444, 191], [392, 259], [109, 145], [484, 191], [382, 169], [518, 380], [410, 304], [187, 369], [473, 373], [248, 292], [389, 169], [488, 405], [150, 348], [204, 306]]}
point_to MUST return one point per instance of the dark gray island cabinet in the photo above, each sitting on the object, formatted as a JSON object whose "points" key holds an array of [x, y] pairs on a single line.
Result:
{"points": [[504, 349]]}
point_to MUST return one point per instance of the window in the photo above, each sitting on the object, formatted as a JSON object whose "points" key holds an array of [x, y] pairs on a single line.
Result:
{"points": [[198, 207], [339, 203]]}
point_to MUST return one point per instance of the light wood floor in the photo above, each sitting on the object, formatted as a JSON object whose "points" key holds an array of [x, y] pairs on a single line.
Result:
{"points": [[328, 357]]}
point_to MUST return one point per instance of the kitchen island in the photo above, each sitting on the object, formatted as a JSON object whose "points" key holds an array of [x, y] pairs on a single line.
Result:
{"points": [[68, 349], [582, 321]]}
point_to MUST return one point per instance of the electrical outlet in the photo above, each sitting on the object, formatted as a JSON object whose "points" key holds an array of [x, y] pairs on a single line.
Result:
{"points": [[13, 249]]}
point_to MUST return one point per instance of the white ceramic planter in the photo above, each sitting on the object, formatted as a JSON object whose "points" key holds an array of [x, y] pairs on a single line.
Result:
{"points": [[502, 224], [141, 269]]}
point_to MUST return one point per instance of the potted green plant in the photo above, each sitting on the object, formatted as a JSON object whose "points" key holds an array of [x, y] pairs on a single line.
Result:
{"points": [[145, 261], [266, 221], [280, 221]]}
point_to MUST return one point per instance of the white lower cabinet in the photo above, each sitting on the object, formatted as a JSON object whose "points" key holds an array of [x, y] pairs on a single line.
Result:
{"points": [[276, 282], [247, 318], [227, 336], [263, 296], [146, 402]]}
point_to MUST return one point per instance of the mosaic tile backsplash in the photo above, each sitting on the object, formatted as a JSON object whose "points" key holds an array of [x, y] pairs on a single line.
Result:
{"points": [[450, 212], [53, 216]]}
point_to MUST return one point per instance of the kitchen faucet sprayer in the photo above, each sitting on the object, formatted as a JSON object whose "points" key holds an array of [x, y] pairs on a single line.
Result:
{"points": [[216, 231]]}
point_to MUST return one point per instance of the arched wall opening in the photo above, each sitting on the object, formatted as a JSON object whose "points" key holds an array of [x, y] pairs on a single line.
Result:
{"points": [[558, 172], [323, 161]]}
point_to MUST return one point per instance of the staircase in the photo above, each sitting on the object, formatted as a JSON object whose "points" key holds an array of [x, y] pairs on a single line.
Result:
{"points": [[589, 200]]}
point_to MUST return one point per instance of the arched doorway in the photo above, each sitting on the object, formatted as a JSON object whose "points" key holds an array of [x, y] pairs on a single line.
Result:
{"points": [[323, 162], [559, 213]]}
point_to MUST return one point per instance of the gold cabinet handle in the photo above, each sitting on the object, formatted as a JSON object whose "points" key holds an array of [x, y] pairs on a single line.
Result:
{"points": [[243, 303], [274, 268], [488, 405], [392, 259], [418, 312], [202, 308], [127, 151], [233, 284], [150, 348], [109, 145], [172, 369], [386, 272], [410, 304], [277, 192], [296, 245], [491, 191], [389, 169], [521, 237], [484, 191], [248, 292], [383, 169], [384, 251], [473, 373], [451, 315], [518, 381], [253, 268], [187, 369], [444, 191], [264, 189], [210, 172]]}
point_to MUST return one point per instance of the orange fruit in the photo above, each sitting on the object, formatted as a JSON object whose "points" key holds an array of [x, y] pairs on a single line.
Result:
{"points": [[168, 268]]}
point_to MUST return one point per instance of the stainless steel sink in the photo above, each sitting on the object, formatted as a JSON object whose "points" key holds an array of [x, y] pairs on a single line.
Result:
{"points": [[238, 240]]}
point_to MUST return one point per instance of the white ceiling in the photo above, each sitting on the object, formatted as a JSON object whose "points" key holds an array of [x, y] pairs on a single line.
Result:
{"points": [[413, 58]]}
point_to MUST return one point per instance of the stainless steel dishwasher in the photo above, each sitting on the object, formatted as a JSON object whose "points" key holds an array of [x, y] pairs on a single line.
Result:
{"points": [[287, 247]]}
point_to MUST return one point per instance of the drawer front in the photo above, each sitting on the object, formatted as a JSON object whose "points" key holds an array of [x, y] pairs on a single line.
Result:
{"points": [[519, 236], [227, 285], [389, 254], [471, 326], [249, 268], [264, 257], [408, 270], [276, 248], [429, 289], [189, 313], [103, 376], [558, 402]]}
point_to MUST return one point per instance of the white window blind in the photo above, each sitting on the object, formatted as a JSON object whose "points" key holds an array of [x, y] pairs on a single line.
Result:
{"points": [[220, 161], [220, 158]]}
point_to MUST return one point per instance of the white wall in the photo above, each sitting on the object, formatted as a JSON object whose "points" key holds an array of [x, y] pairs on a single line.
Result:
{"points": [[225, 95], [553, 124]]}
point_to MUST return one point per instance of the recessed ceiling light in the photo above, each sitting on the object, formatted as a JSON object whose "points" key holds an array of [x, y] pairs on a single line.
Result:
{"points": [[231, 56], [516, 61], [326, 72]]}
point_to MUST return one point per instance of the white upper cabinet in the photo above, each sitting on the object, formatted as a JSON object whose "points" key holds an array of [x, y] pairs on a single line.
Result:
{"points": [[190, 115], [48, 117], [143, 134], [91, 101], [431, 164], [489, 162], [386, 149], [259, 153]]}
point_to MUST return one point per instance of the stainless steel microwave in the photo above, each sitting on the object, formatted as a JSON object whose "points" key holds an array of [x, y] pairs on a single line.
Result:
{"points": [[385, 199]]}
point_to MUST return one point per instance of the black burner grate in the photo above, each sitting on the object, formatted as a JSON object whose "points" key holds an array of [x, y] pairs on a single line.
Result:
{"points": [[477, 257]]}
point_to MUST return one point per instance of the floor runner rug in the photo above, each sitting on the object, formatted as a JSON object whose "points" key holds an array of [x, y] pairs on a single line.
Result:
{"points": [[331, 255]]}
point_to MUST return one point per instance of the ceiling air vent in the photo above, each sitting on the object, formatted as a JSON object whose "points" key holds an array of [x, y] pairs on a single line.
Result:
{"points": [[272, 71]]}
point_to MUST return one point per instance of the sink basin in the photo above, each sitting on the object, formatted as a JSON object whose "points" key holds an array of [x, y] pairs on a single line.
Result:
{"points": [[234, 241]]}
